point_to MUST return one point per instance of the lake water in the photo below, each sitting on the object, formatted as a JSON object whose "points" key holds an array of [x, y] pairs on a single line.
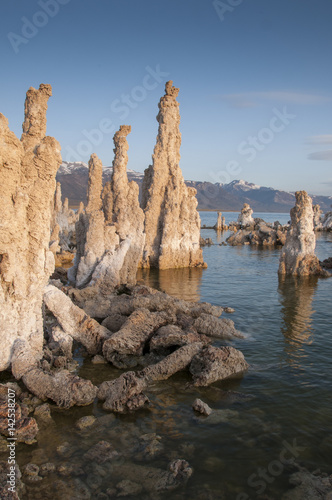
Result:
{"points": [[289, 348], [281, 408]]}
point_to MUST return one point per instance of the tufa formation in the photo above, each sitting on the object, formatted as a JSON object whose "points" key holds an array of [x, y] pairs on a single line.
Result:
{"points": [[245, 217], [109, 235], [27, 184], [172, 223], [298, 255]]}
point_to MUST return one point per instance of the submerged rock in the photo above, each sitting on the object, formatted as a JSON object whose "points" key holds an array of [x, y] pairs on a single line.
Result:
{"points": [[201, 407], [155, 480], [124, 393], [213, 363], [101, 452], [309, 486]]}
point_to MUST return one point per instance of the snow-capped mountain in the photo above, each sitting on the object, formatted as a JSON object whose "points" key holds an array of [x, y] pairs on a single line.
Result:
{"points": [[68, 168], [241, 185], [226, 197]]}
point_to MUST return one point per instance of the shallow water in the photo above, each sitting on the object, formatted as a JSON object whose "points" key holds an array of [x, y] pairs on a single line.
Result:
{"points": [[280, 408]]}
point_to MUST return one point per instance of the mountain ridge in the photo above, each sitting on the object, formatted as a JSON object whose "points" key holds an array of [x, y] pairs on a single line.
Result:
{"points": [[224, 197]]}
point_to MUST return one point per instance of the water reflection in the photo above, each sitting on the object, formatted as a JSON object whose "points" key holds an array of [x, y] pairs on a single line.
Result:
{"points": [[182, 283], [296, 296]]}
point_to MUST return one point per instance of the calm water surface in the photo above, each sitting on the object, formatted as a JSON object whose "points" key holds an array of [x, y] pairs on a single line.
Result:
{"points": [[289, 348], [280, 408]]}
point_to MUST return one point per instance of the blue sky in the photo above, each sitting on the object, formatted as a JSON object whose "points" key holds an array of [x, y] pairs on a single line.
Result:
{"points": [[254, 76]]}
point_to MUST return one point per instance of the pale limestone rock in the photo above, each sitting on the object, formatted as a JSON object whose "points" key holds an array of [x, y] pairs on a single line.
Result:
{"points": [[245, 217], [110, 234], [298, 255], [34, 125], [121, 209], [221, 328], [172, 223], [219, 224], [81, 209], [173, 363], [27, 183], [90, 228], [74, 321], [318, 226], [63, 339], [66, 219], [55, 240], [327, 221], [58, 199]]}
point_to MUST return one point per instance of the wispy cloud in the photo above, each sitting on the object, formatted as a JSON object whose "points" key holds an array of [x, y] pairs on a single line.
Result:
{"points": [[321, 155], [319, 140], [250, 99]]}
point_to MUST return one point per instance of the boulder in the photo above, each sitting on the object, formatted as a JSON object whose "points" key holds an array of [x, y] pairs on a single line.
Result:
{"points": [[74, 322], [64, 388], [212, 364]]}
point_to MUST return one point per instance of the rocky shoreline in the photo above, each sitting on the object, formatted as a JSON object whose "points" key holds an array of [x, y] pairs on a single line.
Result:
{"points": [[145, 335]]}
